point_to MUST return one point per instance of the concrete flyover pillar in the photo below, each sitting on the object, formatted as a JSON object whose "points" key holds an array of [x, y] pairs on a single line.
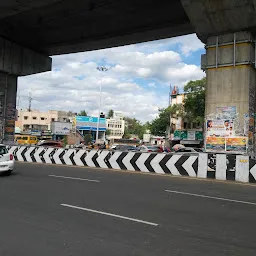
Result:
{"points": [[229, 64], [8, 91], [15, 61]]}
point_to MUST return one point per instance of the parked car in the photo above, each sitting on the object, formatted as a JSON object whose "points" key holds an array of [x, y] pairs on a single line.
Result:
{"points": [[126, 148], [144, 148], [189, 150], [50, 144], [6, 160]]}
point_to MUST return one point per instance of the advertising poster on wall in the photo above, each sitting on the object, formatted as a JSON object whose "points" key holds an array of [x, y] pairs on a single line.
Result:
{"points": [[215, 143], [220, 128], [238, 144], [226, 111]]}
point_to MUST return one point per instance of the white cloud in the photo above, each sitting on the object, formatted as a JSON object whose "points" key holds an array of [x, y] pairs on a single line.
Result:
{"points": [[136, 83]]}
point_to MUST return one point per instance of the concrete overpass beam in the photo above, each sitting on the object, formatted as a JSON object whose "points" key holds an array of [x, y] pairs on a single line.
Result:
{"points": [[231, 77], [20, 61], [214, 17]]}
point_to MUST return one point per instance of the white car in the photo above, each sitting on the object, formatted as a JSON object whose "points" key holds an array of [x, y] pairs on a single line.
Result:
{"points": [[6, 160]]}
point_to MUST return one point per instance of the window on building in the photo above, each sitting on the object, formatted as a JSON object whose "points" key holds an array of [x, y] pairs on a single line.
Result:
{"points": [[34, 117], [53, 119], [42, 118], [25, 117]]}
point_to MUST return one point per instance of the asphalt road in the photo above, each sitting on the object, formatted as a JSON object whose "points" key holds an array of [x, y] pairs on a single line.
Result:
{"points": [[100, 212]]}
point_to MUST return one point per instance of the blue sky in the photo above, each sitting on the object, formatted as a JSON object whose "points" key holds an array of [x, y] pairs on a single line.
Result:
{"points": [[137, 81]]}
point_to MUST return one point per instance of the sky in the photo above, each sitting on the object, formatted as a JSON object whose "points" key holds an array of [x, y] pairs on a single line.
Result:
{"points": [[137, 81]]}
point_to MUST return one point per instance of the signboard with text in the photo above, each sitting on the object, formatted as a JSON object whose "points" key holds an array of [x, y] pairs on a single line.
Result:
{"points": [[89, 123]]}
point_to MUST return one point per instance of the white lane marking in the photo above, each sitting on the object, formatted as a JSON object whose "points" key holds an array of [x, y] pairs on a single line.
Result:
{"points": [[109, 214], [211, 197], [72, 178]]}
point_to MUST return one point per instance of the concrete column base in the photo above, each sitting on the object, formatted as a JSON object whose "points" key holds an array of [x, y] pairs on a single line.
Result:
{"points": [[8, 92]]}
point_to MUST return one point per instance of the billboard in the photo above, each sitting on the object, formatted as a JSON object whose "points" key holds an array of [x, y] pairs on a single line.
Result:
{"points": [[187, 135], [61, 128], [89, 123]]}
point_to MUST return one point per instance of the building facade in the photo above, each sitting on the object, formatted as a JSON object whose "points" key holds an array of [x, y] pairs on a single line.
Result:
{"points": [[182, 131], [37, 120], [177, 122], [88, 125], [116, 126]]}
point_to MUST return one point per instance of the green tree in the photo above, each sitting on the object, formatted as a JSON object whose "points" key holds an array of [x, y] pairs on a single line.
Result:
{"points": [[194, 103], [82, 113], [135, 127], [65, 140], [160, 124], [87, 138], [110, 113]]}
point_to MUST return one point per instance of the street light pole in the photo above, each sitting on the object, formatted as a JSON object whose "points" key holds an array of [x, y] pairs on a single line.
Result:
{"points": [[102, 69]]}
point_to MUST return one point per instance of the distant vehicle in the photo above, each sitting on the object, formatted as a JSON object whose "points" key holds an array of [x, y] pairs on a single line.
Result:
{"points": [[50, 144], [131, 142], [6, 160], [26, 139], [126, 148], [113, 146], [144, 148], [189, 150]]}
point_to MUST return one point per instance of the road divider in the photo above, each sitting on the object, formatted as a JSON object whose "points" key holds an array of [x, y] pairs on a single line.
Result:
{"points": [[221, 166]]}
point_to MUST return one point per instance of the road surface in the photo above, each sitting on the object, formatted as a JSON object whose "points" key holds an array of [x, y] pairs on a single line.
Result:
{"points": [[62, 211]]}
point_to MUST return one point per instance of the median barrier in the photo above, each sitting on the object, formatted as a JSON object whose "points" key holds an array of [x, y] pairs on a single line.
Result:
{"points": [[224, 167]]}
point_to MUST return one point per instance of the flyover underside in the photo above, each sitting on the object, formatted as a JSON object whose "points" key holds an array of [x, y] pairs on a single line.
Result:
{"points": [[71, 26]]}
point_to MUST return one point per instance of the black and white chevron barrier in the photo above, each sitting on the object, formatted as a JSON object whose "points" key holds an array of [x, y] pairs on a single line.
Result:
{"points": [[223, 167]]}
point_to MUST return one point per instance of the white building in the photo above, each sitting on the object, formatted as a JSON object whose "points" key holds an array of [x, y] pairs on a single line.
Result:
{"points": [[116, 126]]}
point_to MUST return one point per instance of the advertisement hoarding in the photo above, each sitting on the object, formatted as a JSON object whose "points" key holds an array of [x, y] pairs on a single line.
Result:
{"points": [[61, 128], [187, 135], [89, 123]]}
